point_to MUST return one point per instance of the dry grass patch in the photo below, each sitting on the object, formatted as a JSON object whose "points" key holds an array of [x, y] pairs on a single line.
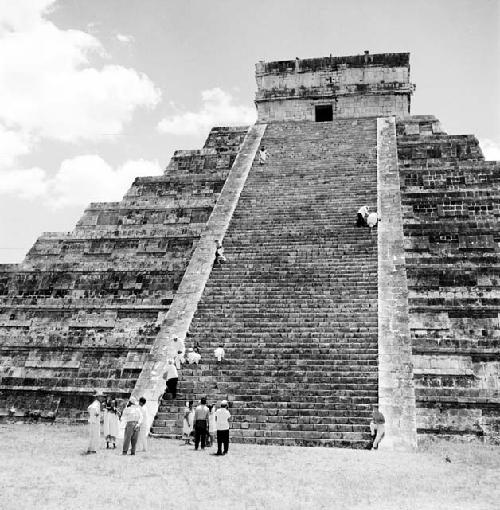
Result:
{"points": [[43, 467]]}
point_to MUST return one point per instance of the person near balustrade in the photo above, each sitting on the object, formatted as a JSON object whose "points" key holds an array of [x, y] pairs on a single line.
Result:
{"points": [[171, 377], [377, 427], [132, 417], [363, 213]]}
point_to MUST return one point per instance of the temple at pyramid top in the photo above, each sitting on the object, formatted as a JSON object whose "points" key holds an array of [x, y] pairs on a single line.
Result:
{"points": [[321, 89]]}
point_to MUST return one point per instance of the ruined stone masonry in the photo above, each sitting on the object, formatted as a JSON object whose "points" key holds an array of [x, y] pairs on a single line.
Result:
{"points": [[319, 319]]}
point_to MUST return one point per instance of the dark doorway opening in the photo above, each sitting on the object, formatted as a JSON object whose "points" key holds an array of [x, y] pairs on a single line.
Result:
{"points": [[324, 113]]}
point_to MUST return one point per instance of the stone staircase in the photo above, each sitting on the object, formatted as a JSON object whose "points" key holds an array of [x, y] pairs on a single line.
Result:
{"points": [[296, 304]]}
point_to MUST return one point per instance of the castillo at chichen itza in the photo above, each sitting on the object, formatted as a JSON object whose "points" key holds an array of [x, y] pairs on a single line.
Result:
{"points": [[319, 319]]}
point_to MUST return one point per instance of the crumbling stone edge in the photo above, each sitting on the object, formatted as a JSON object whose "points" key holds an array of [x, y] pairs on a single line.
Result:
{"points": [[150, 383], [396, 389]]}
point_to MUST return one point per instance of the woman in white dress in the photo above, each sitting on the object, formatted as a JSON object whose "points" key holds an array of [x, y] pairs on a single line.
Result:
{"points": [[187, 422], [94, 411], [111, 422]]}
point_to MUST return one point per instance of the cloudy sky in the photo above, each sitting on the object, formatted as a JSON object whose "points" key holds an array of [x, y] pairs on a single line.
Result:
{"points": [[96, 92]]}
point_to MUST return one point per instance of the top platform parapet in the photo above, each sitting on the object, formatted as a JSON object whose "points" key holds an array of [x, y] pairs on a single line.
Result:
{"points": [[320, 89]]}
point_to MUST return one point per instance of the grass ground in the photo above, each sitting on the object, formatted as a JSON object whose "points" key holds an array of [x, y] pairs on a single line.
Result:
{"points": [[42, 467]]}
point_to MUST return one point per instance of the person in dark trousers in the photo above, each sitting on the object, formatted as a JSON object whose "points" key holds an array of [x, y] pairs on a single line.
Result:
{"points": [[132, 417], [201, 414], [172, 377], [222, 417]]}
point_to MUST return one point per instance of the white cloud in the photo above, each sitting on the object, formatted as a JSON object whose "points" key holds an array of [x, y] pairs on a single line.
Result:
{"points": [[89, 178], [126, 39], [79, 181], [491, 149], [12, 145], [48, 87], [218, 109], [27, 184]]}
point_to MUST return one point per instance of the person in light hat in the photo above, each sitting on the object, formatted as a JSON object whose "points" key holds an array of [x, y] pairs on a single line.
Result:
{"points": [[132, 417], [94, 410], [222, 417]]}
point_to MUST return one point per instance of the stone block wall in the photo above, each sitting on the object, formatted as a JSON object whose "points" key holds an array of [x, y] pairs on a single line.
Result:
{"points": [[451, 213], [84, 308], [359, 86]]}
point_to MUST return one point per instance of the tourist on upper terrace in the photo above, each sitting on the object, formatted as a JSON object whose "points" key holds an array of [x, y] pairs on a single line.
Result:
{"points": [[263, 155], [201, 414], [219, 254], [219, 353], [193, 357], [377, 427], [94, 410], [171, 377], [372, 220], [142, 441], [132, 417], [222, 417], [187, 422], [363, 213], [111, 421]]}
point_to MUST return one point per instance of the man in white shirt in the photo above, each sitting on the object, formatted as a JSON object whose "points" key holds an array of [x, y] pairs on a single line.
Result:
{"points": [[219, 353], [362, 215], [222, 417], [171, 376], [132, 417]]}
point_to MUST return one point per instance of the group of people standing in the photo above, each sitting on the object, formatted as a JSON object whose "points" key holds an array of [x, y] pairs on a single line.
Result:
{"points": [[134, 418], [205, 423]]}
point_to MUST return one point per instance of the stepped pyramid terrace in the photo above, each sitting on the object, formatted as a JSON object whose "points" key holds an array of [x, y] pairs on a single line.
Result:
{"points": [[320, 319]]}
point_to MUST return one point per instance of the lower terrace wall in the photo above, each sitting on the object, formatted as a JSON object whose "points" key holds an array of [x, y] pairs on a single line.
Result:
{"points": [[451, 214]]}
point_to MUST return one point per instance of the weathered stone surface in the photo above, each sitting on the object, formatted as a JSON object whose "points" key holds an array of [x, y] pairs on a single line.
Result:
{"points": [[395, 367], [359, 86]]}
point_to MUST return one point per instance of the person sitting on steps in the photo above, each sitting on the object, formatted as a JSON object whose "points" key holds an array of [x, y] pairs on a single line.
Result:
{"points": [[363, 213], [219, 254], [372, 220], [193, 357]]}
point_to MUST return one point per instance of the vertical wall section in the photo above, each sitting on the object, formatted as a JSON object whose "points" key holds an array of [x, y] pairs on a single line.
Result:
{"points": [[396, 391]]}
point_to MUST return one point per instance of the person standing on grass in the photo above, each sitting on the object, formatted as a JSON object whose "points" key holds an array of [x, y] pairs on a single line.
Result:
{"points": [[201, 424], [142, 441], [132, 417], [187, 422], [222, 417], [111, 422], [377, 427], [172, 377], [94, 410]]}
